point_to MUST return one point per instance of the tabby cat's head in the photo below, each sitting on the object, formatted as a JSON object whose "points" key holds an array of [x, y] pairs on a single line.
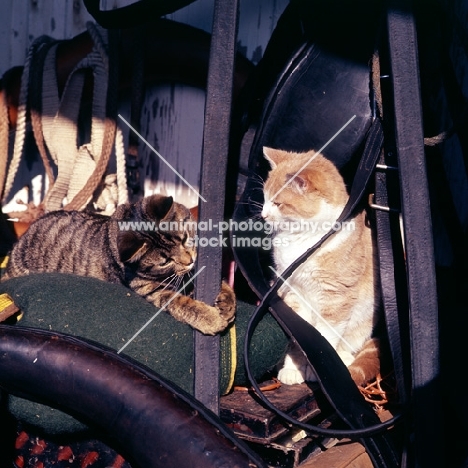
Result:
{"points": [[160, 243], [301, 186]]}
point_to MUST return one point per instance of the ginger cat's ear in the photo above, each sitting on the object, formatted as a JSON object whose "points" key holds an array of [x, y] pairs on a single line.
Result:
{"points": [[274, 156], [297, 182]]}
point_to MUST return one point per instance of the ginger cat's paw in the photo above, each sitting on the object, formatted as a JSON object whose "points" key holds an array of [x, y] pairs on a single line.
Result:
{"points": [[290, 376], [366, 365], [296, 369]]}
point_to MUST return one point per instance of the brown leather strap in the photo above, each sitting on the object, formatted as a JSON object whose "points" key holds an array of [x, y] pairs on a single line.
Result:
{"points": [[158, 424]]}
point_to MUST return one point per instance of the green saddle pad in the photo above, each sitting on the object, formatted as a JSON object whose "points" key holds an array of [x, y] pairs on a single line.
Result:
{"points": [[111, 315]]}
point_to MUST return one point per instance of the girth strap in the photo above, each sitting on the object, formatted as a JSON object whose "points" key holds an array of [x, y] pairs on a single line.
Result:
{"points": [[420, 264]]}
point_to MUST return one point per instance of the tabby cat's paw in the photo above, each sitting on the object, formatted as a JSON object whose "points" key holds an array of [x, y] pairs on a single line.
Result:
{"points": [[226, 303], [213, 320]]}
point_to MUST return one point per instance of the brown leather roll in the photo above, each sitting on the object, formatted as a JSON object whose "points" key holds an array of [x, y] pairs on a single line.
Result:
{"points": [[158, 424]]}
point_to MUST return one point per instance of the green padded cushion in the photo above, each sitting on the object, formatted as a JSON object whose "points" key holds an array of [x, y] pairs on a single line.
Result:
{"points": [[111, 314]]}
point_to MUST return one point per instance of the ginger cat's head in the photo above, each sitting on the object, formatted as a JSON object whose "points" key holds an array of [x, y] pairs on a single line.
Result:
{"points": [[302, 186]]}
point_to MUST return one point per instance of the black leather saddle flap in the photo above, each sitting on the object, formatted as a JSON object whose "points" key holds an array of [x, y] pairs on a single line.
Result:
{"points": [[312, 90]]}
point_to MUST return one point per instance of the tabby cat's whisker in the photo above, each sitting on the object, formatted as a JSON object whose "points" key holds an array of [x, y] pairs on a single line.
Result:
{"points": [[68, 242], [168, 282]]}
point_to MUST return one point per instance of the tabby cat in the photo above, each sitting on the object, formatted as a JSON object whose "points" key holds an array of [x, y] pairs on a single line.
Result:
{"points": [[336, 289], [151, 261]]}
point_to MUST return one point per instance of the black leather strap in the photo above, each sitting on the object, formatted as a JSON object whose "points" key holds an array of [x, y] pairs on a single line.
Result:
{"points": [[422, 292], [213, 177], [392, 269], [334, 378], [135, 14]]}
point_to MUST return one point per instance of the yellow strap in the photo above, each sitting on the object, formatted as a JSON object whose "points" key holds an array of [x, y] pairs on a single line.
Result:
{"points": [[8, 307], [3, 262], [5, 301], [232, 373]]}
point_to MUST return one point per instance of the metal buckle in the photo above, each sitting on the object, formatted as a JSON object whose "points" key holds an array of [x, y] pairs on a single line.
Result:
{"points": [[374, 206], [387, 209], [384, 167]]}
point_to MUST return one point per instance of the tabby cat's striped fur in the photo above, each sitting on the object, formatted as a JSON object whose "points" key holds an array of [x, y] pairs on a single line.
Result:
{"points": [[152, 262]]}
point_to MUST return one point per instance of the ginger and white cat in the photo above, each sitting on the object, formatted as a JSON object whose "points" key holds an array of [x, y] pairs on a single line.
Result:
{"points": [[336, 289]]}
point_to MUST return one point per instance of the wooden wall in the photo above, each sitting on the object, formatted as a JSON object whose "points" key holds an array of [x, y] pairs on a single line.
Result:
{"points": [[172, 117]]}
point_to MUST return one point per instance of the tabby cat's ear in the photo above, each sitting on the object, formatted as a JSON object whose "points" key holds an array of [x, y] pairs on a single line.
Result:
{"points": [[131, 246], [158, 206], [274, 156]]}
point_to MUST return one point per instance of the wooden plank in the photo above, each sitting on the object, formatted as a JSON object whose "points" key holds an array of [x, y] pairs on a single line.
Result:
{"points": [[198, 14], [343, 455], [18, 29], [172, 122], [249, 419], [256, 23], [40, 19], [5, 35]]}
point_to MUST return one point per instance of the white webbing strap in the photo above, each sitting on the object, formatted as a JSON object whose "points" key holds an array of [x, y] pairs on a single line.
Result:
{"points": [[21, 122], [75, 162]]}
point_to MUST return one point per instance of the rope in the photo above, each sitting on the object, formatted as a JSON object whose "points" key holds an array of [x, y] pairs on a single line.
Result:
{"points": [[100, 45], [54, 123], [428, 141], [376, 82], [75, 165], [80, 170], [90, 153], [82, 198], [60, 128], [438, 139], [4, 138], [121, 167]]}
